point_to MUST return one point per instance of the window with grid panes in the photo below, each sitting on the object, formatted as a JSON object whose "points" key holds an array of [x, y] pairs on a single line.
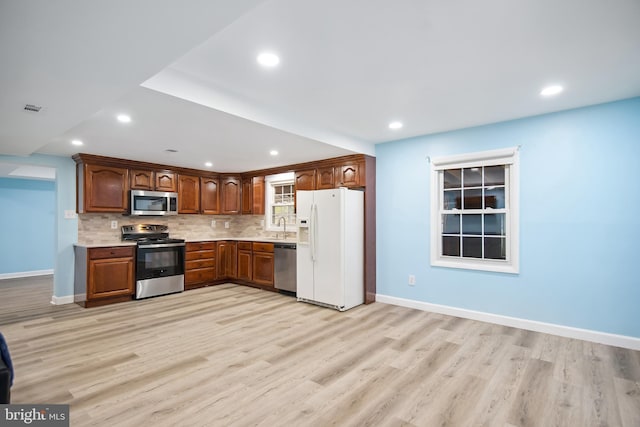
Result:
{"points": [[474, 211], [283, 202], [280, 201]]}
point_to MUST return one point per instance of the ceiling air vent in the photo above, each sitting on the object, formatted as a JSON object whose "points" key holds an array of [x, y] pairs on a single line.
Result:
{"points": [[32, 108]]}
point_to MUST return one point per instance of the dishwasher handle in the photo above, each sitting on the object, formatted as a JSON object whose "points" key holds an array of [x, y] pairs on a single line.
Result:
{"points": [[284, 246]]}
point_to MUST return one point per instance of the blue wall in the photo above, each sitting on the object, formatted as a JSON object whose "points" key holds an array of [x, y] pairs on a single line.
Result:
{"points": [[579, 220], [66, 230], [28, 218]]}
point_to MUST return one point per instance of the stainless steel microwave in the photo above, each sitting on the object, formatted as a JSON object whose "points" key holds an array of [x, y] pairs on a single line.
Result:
{"points": [[153, 203]]}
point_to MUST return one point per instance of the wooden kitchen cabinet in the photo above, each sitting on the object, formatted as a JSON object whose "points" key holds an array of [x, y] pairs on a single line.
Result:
{"points": [[162, 180], [200, 264], [256, 263], [245, 261], [226, 260], [253, 195], [142, 179], [102, 188], [305, 180], [230, 195], [209, 195], [166, 181], [258, 194], [263, 264], [188, 194], [247, 196], [325, 178], [348, 175], [104, 275]]}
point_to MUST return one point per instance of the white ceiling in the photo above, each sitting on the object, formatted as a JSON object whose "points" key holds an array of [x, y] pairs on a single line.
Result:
{"points": [[187, 74]]}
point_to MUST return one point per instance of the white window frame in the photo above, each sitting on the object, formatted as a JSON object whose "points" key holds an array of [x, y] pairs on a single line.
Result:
{"points": [[508, 157], [281, 178]]}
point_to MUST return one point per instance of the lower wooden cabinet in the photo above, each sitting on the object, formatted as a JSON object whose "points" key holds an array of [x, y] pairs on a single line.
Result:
{"points": [[227, 260], [244, 261], [256, 263], [263, 264], [104, 275], [200, 264]]}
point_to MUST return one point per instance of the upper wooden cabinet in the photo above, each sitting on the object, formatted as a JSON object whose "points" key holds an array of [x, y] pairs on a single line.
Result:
{"points": [[325, 178], [166, 181], [188, 194], [348, 175], [163, 180], [305, 180], [209, 196], [333, 175], [102, 188], [142, 180], [258, 195], [253, 195], [247, 196], [230, 195]]}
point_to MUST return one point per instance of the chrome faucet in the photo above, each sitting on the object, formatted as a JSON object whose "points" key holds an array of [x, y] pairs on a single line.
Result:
{"points": [[285, 226]]}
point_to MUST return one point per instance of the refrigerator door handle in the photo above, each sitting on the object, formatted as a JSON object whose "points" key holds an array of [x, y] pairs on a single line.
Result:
{"points": [[312, 231]]}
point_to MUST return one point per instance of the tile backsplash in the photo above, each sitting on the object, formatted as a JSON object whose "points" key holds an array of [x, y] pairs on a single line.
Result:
{"points": [[96, 228]]}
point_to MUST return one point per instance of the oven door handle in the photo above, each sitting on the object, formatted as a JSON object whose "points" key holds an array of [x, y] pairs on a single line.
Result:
{"points": [[161, 245]]}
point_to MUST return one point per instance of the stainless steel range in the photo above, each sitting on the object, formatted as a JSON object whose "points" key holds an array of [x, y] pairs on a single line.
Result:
{"points": [[159, 260]]}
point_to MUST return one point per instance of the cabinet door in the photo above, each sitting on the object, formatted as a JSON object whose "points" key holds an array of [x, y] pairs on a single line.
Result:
{"points": [[348, 175], [166, 181], [258, 195], [141, 179], [230, 196], [105, 189], [263, 268], [326, 178], [244, 265], [209, 196], [305, 180], [227, 260], [188, 194], [109, 277], [232, 260], [247, 196]]}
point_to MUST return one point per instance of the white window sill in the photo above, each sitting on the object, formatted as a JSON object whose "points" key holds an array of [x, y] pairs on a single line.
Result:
{"points": [[485, 265]]}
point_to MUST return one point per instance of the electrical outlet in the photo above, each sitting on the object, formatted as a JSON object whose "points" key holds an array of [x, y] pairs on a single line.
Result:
{"points": [[69, 214], [213, 223], [114, 225], [412, 280], [226, 224]]}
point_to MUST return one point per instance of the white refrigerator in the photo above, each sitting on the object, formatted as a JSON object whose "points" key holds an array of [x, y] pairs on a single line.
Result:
{"points": [[330, 249]]}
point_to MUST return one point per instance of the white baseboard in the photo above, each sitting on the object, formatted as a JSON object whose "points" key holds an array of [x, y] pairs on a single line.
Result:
{"points": [[25, 274], [67, 299], [531, 325]]}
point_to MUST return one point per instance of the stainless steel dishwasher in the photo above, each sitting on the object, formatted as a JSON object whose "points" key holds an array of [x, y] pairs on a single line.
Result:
{"points": [[285, 266]]}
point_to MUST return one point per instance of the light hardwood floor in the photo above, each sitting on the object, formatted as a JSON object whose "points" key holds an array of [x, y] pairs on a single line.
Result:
{"points": [[237, 356]]}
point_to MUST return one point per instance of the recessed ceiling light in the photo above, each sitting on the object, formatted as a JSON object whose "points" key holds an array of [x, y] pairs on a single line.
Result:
{"points": [[208, 164], [395, 125], [77, 142], [273, 152], [551, 90], [123, 118], [268, 59]]}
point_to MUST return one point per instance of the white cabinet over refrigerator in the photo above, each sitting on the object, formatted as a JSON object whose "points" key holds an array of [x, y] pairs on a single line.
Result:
{"points": [[330, 253]]}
